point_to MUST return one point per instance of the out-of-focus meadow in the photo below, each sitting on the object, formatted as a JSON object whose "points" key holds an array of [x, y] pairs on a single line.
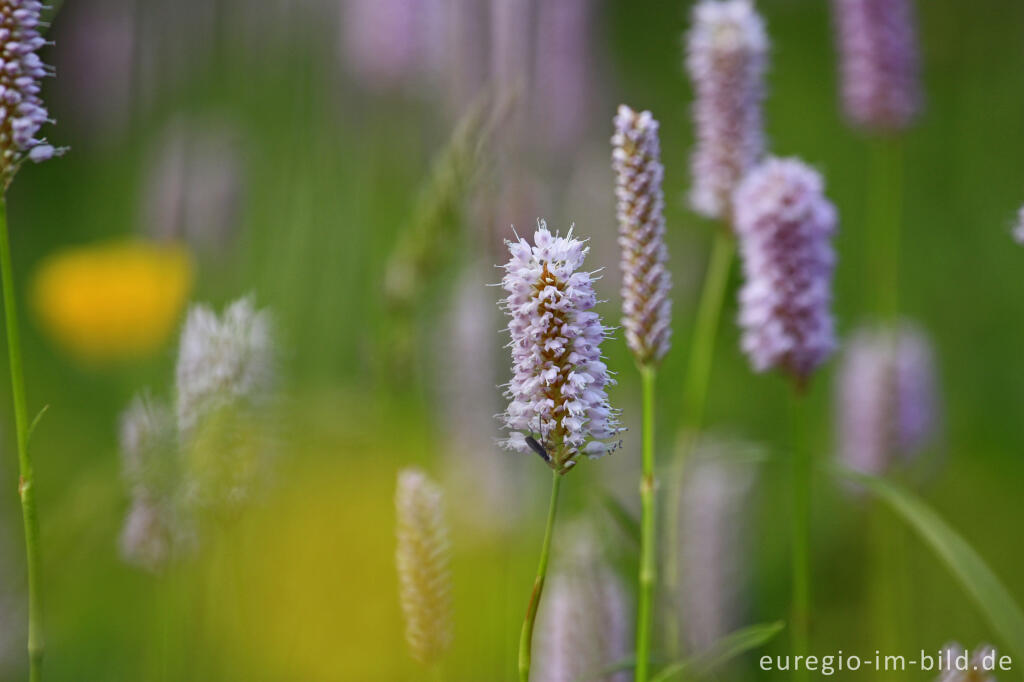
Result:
{"points": [[282, 149]]}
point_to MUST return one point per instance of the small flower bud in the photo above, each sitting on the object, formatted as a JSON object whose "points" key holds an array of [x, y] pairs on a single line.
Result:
{"points": [[557, 396], [646, 283]]}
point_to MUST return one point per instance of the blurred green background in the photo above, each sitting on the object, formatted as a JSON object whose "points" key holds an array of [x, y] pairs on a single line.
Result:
{"points": [[326, 162]]}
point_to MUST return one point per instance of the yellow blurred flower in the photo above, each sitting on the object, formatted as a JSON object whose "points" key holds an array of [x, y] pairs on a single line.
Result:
{"points": [[111, 301]]}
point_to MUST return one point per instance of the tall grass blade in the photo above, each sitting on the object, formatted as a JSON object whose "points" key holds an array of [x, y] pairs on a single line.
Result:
{"points": [[990, 595]]}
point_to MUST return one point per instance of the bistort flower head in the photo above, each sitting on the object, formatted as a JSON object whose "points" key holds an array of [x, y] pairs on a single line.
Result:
{"points": [[878, 56], [887, 398], [640, 207], [422, 560], [726, 57], [223, 360], [785, 226], [22, 113], [558, 403]]}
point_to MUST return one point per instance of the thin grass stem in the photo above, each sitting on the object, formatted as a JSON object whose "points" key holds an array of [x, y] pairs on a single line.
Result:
{"points": [[801, 469], [885, 196], [648, 551], [526, 636], [26, 482]]}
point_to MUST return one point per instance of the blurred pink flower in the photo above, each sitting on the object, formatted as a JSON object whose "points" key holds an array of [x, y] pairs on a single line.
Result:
{"points": [[726, 56], [878, 56], [785, 226]]}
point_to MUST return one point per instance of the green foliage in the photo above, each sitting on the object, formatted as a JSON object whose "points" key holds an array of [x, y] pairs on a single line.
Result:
{"points": [[962, 560]]}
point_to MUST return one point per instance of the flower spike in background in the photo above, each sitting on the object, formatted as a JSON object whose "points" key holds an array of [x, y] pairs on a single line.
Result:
{"points": [[887, 403], [878, 55], [640, 206], [726, 58], [646, 314], [785, 226]]}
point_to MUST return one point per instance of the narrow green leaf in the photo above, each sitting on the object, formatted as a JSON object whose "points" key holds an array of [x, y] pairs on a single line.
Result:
{"points": [[990, 595], [729, 647], [35, 422], [627, 663]]}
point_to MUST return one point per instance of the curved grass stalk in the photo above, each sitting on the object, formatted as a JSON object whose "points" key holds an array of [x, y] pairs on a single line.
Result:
{"points": [[26, 481], [526, 636]]}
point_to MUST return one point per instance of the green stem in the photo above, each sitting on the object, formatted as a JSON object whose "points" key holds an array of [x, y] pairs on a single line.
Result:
{"points": [[698, 375], [883, 572], [695, 393], [526, 637], [647, 530], [26, 482], [886, 198], [801, 524]]}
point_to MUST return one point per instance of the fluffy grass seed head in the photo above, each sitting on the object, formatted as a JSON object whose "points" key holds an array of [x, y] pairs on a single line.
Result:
{"points": [[557, 395], [424, 583], [640, 207], [22, 112], [878, 56], [726, 57], [785, 226], [887, 398]]}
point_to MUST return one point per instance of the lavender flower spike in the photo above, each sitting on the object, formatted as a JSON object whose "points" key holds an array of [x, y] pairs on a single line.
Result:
{"points": [[422, 559], [887, 398], [878, 62], [22, 113], [785, 225], [558, 404], [640, 208], [726, 58]]}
